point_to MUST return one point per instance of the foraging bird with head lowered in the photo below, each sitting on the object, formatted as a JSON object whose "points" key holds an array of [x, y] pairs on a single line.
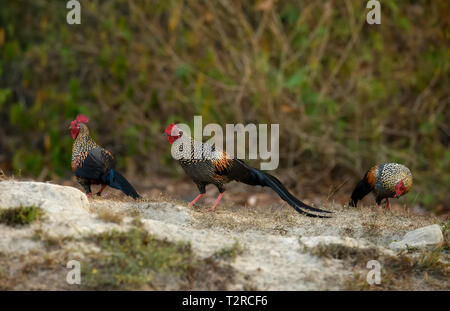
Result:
{"points": [[387, 180], [205, 164], [94, 165]]}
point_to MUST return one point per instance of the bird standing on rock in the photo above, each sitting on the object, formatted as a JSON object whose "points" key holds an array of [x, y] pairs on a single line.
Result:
{"points": [[387, 180], [94, 165], [205, 164]]}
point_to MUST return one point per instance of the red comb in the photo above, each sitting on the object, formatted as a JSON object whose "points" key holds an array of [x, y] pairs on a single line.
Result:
{"points": [[81, 118]]}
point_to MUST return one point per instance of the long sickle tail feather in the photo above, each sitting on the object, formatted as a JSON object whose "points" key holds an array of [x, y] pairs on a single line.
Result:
{"points": [[253, 176], [116, 180], [293, 198], [289, 198]]}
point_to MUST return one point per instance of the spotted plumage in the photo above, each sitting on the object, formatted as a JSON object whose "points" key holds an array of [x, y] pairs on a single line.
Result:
{"points": [[92, 164], [205, 164], [83, 144], [202, 162], [387, 180]]}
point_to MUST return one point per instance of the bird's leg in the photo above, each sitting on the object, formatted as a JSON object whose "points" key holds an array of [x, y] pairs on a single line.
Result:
{"points": [[379, 206], [388, 204], [99, 193], [196, 199], [217, 202], [86, 185]]}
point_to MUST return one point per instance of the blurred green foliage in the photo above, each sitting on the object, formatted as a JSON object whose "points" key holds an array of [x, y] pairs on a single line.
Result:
{"points": [[346, 94]]}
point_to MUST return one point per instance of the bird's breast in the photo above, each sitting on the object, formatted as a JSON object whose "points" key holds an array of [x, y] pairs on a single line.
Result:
{"points": [[388, 176], [198, 170]]}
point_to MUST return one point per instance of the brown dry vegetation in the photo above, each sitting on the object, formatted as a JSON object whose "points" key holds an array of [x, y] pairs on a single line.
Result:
{"points": [[346, 94], [110, 215], [114, 260], [107, 253], [427, 270], [131, 259]]}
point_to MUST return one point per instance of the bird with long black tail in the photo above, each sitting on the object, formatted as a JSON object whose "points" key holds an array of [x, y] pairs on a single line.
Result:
{"points": [[94, 165], [205, 164]]}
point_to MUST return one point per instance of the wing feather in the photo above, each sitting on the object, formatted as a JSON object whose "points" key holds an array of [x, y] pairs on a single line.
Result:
{"points": [[93, 164]]}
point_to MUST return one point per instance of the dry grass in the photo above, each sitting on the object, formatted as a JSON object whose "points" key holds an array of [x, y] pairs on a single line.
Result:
{"points": [[130, 259], [280, 219], [50, 242], [430, 269], [110, 215], [229, 253], [241, 218], [36, 270], [136, 260], [116, 256]]}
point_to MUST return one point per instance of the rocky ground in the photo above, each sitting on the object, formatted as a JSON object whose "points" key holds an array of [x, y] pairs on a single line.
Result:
{"points": [[159, 243]]}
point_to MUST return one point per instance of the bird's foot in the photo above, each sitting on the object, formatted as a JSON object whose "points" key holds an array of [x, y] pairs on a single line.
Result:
{"points": [[196, 199], [99, 193], [213, 208], [388, 204], [89, 195]]}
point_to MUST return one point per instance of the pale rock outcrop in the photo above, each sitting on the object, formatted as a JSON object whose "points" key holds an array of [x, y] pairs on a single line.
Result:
{"points": [[429, 236], [314, 241], [66, 209]]}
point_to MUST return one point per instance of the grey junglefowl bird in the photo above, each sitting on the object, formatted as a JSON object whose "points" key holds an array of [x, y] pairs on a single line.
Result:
{"points": [[212, 166], [387, 180], [94, 165]]}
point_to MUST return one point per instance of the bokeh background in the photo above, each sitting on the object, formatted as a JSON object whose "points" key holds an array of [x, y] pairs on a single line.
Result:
{"points": [[346, 94]]}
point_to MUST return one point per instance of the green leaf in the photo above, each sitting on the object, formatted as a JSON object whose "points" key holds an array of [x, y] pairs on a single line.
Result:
{"points": [[4, 93], [296, 79]]}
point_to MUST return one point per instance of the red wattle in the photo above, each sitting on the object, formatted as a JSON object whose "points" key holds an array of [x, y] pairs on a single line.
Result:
{"points": [[74, 133]]}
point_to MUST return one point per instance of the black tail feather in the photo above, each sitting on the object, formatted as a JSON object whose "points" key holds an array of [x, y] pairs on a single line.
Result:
{"points": [[293, 198], [116, 180], [253, 176], [361, 190]]}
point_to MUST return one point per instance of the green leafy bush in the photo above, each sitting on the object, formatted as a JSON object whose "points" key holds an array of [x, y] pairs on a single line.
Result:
{"points": [[346, 94]]}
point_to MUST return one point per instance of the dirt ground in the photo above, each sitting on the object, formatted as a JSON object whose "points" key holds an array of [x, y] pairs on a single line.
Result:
{"points": [[255, 239]]}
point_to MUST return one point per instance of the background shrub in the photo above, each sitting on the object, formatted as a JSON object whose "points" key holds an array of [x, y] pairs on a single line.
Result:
{"points": [[346, 94]]}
